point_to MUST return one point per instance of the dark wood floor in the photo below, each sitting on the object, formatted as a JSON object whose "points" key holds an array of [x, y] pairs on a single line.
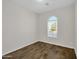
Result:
{"points": [[41, 50]]}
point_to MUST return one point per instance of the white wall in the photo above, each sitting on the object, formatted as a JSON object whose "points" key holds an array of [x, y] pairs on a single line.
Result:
{"points": [[66, 26], [19, 26]]}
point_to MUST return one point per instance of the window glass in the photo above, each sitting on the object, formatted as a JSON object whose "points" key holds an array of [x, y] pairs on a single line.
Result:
{"points": [[52, 27]]}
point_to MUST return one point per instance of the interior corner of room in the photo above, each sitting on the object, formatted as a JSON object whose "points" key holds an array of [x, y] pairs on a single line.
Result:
{"points": [[24, 23]]}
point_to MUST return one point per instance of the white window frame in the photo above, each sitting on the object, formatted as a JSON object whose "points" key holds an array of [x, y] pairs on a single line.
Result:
{"points": [[56, 28]]}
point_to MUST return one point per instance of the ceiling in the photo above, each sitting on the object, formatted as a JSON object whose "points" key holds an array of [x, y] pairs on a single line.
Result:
{"points": [[40, 6]]}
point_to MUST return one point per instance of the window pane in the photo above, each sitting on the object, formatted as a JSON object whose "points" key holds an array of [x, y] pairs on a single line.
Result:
{"points": [[52, 27]]}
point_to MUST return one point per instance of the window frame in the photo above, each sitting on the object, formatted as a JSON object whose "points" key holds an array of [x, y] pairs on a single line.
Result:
{"points": [[56, 28]]}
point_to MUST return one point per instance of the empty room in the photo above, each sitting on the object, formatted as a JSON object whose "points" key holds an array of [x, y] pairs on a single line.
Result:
{"points": [[39, 29]]}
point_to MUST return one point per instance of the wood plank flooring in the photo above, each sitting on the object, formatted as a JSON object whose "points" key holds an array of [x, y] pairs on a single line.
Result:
{"points": [[41, 50]]}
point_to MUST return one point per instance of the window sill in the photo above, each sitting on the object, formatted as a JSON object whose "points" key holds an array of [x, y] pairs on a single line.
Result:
{"points": [[52, 38]]}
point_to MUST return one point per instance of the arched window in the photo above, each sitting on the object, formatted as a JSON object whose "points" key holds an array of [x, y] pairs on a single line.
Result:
{"points": [[52, 27]]}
